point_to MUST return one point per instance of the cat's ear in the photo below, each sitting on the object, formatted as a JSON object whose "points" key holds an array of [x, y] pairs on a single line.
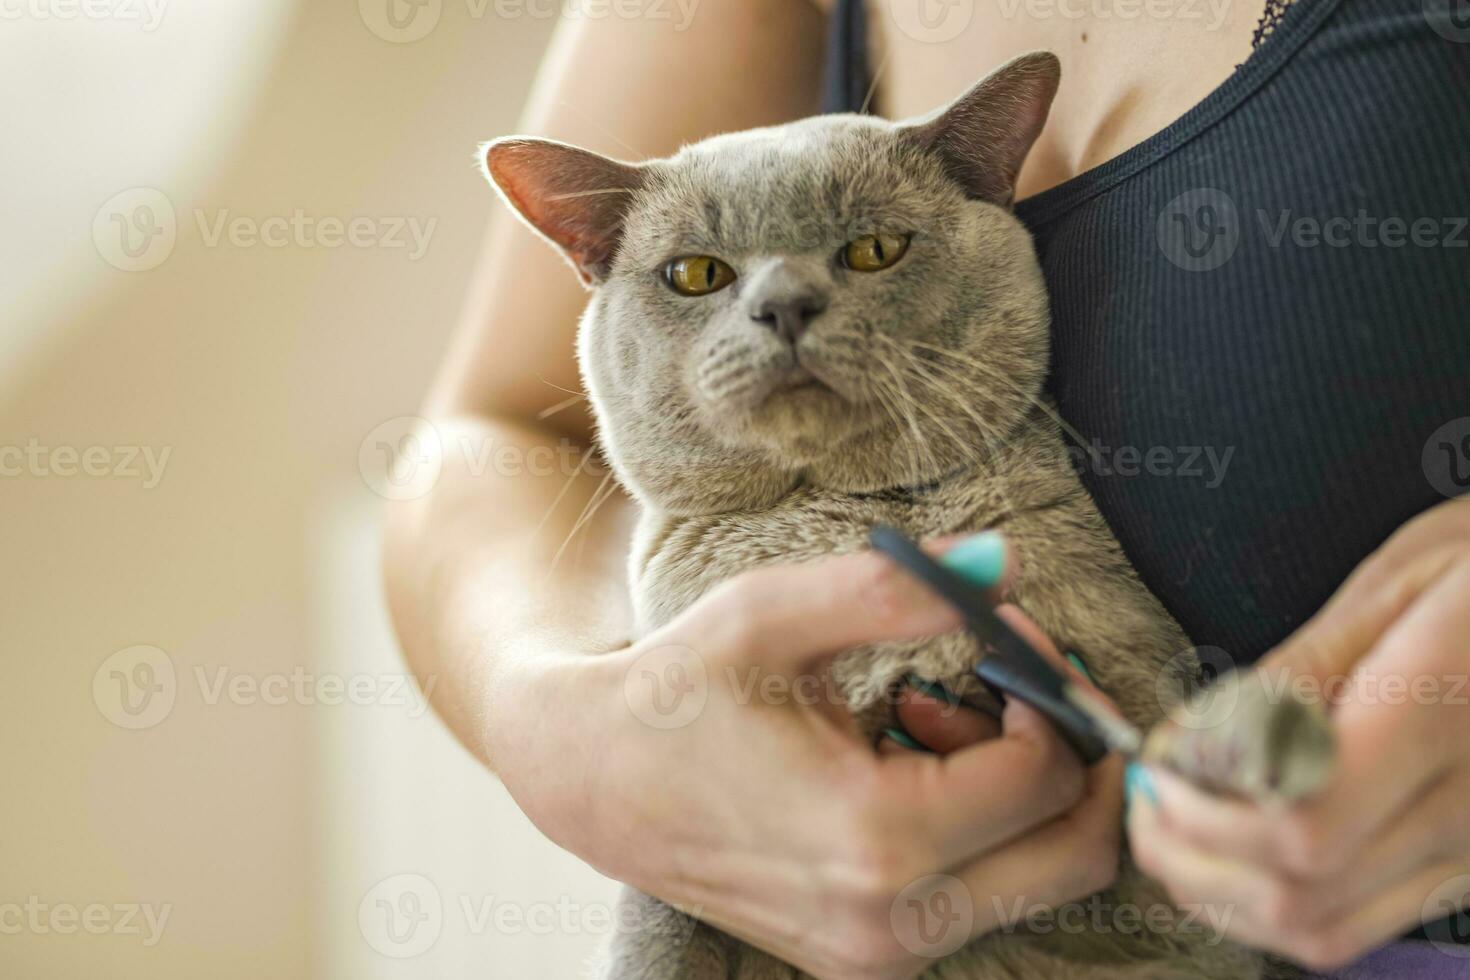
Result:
{"points": [[985, 134], [574, 197]]}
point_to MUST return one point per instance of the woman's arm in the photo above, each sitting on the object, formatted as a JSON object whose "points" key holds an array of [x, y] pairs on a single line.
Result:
{"points": [[471, 572], [761, 810]]}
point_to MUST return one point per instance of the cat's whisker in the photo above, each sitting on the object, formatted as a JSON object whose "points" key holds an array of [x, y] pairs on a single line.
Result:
{"points": [[954, 395], [558, 387], [591, 121], [873, 86], [908, 404], [885, 396], [962, 445], [604, 490], [561, 494], [547, 413], [888, 397], [1040, 403]]}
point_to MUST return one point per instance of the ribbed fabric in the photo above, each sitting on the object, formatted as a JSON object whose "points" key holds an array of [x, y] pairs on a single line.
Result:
{"points": [[1322, 370]]}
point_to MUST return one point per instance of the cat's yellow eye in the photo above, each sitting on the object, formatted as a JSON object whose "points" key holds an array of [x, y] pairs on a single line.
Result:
{"points": [[698, 275], [874, 252]]}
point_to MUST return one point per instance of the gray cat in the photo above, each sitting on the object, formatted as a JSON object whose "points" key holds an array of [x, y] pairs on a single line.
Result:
{"points": [[799, 332]]}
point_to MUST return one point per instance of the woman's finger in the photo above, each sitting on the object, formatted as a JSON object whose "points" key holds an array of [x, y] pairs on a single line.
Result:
{"points": [[1062, 861], [1421, 834], [1390, 748], [979, 797]]}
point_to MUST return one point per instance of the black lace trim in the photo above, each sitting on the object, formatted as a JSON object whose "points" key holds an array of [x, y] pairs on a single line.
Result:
{"points": [[1270, 20]]}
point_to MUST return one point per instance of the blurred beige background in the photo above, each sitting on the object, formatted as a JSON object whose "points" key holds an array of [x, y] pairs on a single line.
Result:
{"points": [[212, 767]]}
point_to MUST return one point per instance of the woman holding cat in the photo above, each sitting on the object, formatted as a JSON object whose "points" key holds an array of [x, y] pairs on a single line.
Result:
{"points": [[786, 793]]}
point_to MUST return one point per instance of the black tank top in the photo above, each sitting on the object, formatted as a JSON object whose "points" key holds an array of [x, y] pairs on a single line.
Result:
{"points": [[1262, 313]]}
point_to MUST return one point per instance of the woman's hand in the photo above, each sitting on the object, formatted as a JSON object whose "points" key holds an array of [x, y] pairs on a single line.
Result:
{"points": [[1381, 849], [709, 765]]}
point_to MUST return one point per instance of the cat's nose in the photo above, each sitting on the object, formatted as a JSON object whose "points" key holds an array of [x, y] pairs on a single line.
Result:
{"points": [[789, 315]]}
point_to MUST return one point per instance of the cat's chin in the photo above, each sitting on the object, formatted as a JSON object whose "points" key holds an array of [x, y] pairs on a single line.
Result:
{"points": [[803, 419]]}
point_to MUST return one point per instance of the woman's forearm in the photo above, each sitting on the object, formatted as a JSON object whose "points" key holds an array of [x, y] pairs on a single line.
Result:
{"points": [[491, 572]]}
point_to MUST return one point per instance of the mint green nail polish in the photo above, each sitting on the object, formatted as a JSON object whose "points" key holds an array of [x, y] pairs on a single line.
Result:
{"points": [[1076, 661], [980, 558], [1136, 781], [904, 738], [934, 689]]}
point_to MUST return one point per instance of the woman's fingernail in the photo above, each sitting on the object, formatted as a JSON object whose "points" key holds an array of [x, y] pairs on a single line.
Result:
{"points": [[981, 558], [1138, 782], [1076, 660], [933, 689], [904, 738]]}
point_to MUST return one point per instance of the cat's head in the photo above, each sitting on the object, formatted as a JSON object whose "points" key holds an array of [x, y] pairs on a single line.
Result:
{"points": [[841, 301]]}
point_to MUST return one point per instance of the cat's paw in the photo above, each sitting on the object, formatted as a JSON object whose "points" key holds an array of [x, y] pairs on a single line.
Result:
{"points": [[1250, 734]]}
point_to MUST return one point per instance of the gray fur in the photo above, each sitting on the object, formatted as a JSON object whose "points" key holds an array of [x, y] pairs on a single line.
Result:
{"points": [[931, 419]]}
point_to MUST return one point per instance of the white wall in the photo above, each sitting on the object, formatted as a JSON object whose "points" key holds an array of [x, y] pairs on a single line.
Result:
{"points": [[259, 371]]}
